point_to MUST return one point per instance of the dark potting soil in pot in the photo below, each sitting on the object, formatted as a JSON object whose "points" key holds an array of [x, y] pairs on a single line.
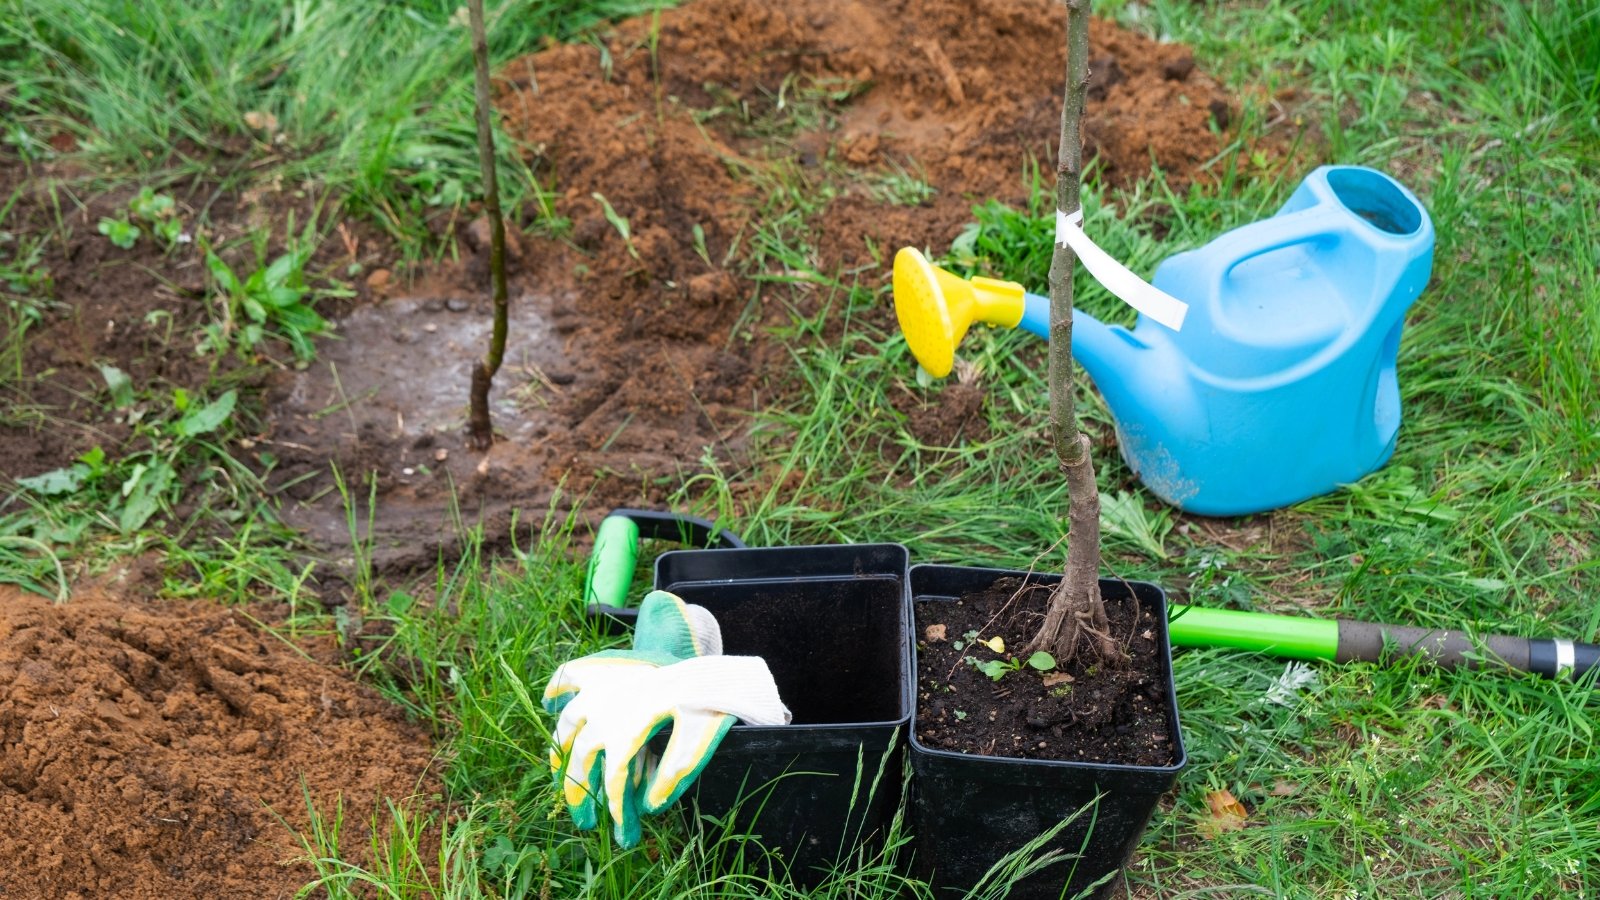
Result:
{"points": [[1102, 714]]}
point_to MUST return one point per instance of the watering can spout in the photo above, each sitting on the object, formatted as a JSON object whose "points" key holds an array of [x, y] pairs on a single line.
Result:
{"points": [[1115, 359], [1109, 353], [935, 308]]}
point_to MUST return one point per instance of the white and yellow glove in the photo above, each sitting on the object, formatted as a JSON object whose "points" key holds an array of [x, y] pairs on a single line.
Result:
{"points": [[611, 703]]}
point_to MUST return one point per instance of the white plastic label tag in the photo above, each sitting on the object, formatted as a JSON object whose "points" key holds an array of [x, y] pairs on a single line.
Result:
{"points": [[1118, 278]]}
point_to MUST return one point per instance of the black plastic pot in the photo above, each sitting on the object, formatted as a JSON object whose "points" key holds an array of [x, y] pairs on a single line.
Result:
{"points": [[968, 812], [834, 625]]}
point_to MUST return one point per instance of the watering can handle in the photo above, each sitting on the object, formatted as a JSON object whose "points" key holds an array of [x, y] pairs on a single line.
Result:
{"points": [[616, 555], [1275, 233]]}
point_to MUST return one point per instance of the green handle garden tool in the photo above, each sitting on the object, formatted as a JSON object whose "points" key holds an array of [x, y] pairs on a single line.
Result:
{"points": [[616, 555], [1342, 640], [616, 551]]}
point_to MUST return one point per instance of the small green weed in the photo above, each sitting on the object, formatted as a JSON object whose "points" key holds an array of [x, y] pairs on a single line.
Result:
{"points": [[618, 221], [120, 232], [159, 213], [801, 103], [138, 486], [900, 186], [25, 292], [156, 211], [1125, 517], [997, 669], [274, 301]]}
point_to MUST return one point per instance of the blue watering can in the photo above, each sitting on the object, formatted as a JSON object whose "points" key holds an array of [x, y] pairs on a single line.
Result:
{"points": [[1281, 384]]}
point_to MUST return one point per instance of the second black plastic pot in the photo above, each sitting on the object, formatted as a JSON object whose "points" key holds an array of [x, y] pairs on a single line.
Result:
{"points": [[833, 623], [968, 812]]}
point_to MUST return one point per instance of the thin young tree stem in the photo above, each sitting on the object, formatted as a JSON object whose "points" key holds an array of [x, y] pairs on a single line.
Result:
{"points": [[481, 429], [1076, 619]]}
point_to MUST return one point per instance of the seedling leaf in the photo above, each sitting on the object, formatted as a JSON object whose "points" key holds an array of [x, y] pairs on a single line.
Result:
{"points": [[994, 668], [121, 232], [278, 273], [1042, 661], [617, 221], [224, 275], [144, 490], [207, 418], [120, 384], [57, 481]]}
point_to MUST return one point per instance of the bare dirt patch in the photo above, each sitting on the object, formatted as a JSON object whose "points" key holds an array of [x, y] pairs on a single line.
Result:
{"points": [[147, 751], [137, 309], [635, 356]]}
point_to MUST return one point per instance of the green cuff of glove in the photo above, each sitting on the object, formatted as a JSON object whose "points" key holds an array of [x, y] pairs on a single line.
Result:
{"points": [[664, 627]]}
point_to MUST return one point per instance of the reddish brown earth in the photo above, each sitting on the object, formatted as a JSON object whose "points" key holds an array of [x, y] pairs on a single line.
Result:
{"points": [[148, 751], [631, 363]]}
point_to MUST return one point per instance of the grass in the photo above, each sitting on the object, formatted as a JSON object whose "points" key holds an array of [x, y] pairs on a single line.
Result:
{"points": [[370, 100], [1363, 781]]}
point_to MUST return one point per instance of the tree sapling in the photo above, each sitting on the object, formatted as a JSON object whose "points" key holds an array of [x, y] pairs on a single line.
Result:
{"points": [[1076, 620], [480, 428]]}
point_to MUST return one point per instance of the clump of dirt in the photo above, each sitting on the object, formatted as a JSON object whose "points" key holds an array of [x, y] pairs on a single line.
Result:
{"points": [[953, 415], [1077, 711], [641, 291], [147, 751], [667, 120]]}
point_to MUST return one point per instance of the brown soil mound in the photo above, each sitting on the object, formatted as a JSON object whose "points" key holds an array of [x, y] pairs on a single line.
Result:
{"points": [[146, 752], [631, 356], [667, 121]]}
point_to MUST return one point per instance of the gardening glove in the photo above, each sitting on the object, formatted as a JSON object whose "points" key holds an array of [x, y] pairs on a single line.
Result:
{"points": [[611, 703]]}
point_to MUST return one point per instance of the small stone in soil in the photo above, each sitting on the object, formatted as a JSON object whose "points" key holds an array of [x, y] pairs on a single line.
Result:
{"points": [[457, 304]]}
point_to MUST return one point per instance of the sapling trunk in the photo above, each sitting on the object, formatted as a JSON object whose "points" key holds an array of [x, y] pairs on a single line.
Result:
{"points": [[1076, 620], [480, 428]]}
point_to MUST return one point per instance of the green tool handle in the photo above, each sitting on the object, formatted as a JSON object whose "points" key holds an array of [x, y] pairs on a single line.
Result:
{"points": [[611, 564], [616, 556], [1289, 636], [1341, 640]]}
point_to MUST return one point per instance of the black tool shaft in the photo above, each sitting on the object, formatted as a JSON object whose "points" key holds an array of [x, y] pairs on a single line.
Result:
{"points": [[1551, 657]]}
